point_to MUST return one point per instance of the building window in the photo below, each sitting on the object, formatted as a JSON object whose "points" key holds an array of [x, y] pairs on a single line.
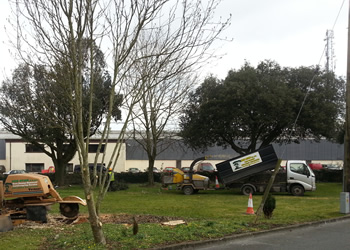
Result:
{"points": [[30, 148], [93, 148], [69, 168], [34, 167]]}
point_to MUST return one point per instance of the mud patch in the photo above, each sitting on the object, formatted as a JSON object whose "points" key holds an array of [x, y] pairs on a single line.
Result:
{"points": [[128, 219], [54, 221]]}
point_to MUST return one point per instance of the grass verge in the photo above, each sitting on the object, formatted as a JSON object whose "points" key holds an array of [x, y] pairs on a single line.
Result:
{"points": [[209, 214]]}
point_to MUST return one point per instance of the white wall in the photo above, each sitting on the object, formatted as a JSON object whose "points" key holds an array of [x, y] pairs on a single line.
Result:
{"points": [[16, 157]]}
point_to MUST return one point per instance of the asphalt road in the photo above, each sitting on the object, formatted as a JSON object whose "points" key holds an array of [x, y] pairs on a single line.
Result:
{"points": [[324, 236]]}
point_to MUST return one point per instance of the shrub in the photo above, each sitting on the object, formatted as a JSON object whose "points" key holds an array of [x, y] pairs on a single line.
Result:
{"points": [[119, 185], [269, 206]]}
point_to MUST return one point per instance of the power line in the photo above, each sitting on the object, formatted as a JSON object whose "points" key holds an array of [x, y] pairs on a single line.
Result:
{"points": [[336, 19], [312, 81]]}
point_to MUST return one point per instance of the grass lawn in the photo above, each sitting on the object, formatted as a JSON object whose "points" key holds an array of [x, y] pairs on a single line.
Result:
{"points": [[208, 214]]}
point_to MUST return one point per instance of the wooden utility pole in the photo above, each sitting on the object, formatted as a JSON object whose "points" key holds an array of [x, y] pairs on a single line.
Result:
{"points": [[346, 168], [267, 190]]}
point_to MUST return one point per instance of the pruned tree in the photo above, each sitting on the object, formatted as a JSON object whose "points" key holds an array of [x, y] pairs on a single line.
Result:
{"points": [[170, 57], [44, 26], [153, 115], [254, 107]]}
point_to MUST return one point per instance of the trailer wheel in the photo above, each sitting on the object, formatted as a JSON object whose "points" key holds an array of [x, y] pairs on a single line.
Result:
{"points": [[247, 189], [297, 190], [188, 190]]}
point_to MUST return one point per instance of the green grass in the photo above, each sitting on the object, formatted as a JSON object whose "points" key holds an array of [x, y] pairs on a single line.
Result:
{"points": [[209, 214]]}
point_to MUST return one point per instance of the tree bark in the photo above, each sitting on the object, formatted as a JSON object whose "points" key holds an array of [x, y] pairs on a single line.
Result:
{"points": [[150, 171], [60, 171], [95, 222]]}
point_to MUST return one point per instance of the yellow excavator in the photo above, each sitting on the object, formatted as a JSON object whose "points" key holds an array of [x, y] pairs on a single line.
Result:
{"points": [[28, 196]]}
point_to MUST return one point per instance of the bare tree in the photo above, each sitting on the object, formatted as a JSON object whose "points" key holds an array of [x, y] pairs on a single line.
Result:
{"points": [[170, 56], [49, 31], [157, 108]]}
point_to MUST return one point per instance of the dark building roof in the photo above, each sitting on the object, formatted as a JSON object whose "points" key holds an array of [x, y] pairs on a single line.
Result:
{"points": [[305, 150], [310, 150]]}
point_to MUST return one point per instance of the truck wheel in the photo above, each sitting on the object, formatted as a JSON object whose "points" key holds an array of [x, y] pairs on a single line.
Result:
{"points": [[247, 189], [297, 190], [188, 190]]}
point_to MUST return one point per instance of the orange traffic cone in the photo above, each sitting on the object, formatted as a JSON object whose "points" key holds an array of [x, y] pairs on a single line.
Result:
{"points": [[217, 183], [250, 209]]}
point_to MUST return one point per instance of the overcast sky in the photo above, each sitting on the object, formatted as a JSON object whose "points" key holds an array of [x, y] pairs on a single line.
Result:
{"points": [[291, 32]]}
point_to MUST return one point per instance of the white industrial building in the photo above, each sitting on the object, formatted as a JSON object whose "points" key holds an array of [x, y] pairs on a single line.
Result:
{"points": [[16, 154]]}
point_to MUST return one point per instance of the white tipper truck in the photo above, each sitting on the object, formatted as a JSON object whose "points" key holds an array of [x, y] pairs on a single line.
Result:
{"points": [[251, 173]]}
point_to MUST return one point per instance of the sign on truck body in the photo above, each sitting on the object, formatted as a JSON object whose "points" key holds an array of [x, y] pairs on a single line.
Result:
{"points": [[249, 164]]}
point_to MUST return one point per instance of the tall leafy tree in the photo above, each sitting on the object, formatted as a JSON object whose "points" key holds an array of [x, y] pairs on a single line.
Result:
{"points": [[34, 106], [255, 106], [24, 113]]}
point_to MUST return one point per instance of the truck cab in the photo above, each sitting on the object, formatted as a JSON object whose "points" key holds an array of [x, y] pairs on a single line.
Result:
{"points": [[300, 177], [296, 177]]}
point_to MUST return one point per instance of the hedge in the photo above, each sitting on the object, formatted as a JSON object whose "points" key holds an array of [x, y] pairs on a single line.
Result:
{"points": [[328, 175], [323, 175], [75, 178]]}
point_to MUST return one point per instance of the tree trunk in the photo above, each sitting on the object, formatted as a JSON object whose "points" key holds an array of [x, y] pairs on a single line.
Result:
{"points": [[95, 223], [60, 171], [150, 171], [64, 154]]}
